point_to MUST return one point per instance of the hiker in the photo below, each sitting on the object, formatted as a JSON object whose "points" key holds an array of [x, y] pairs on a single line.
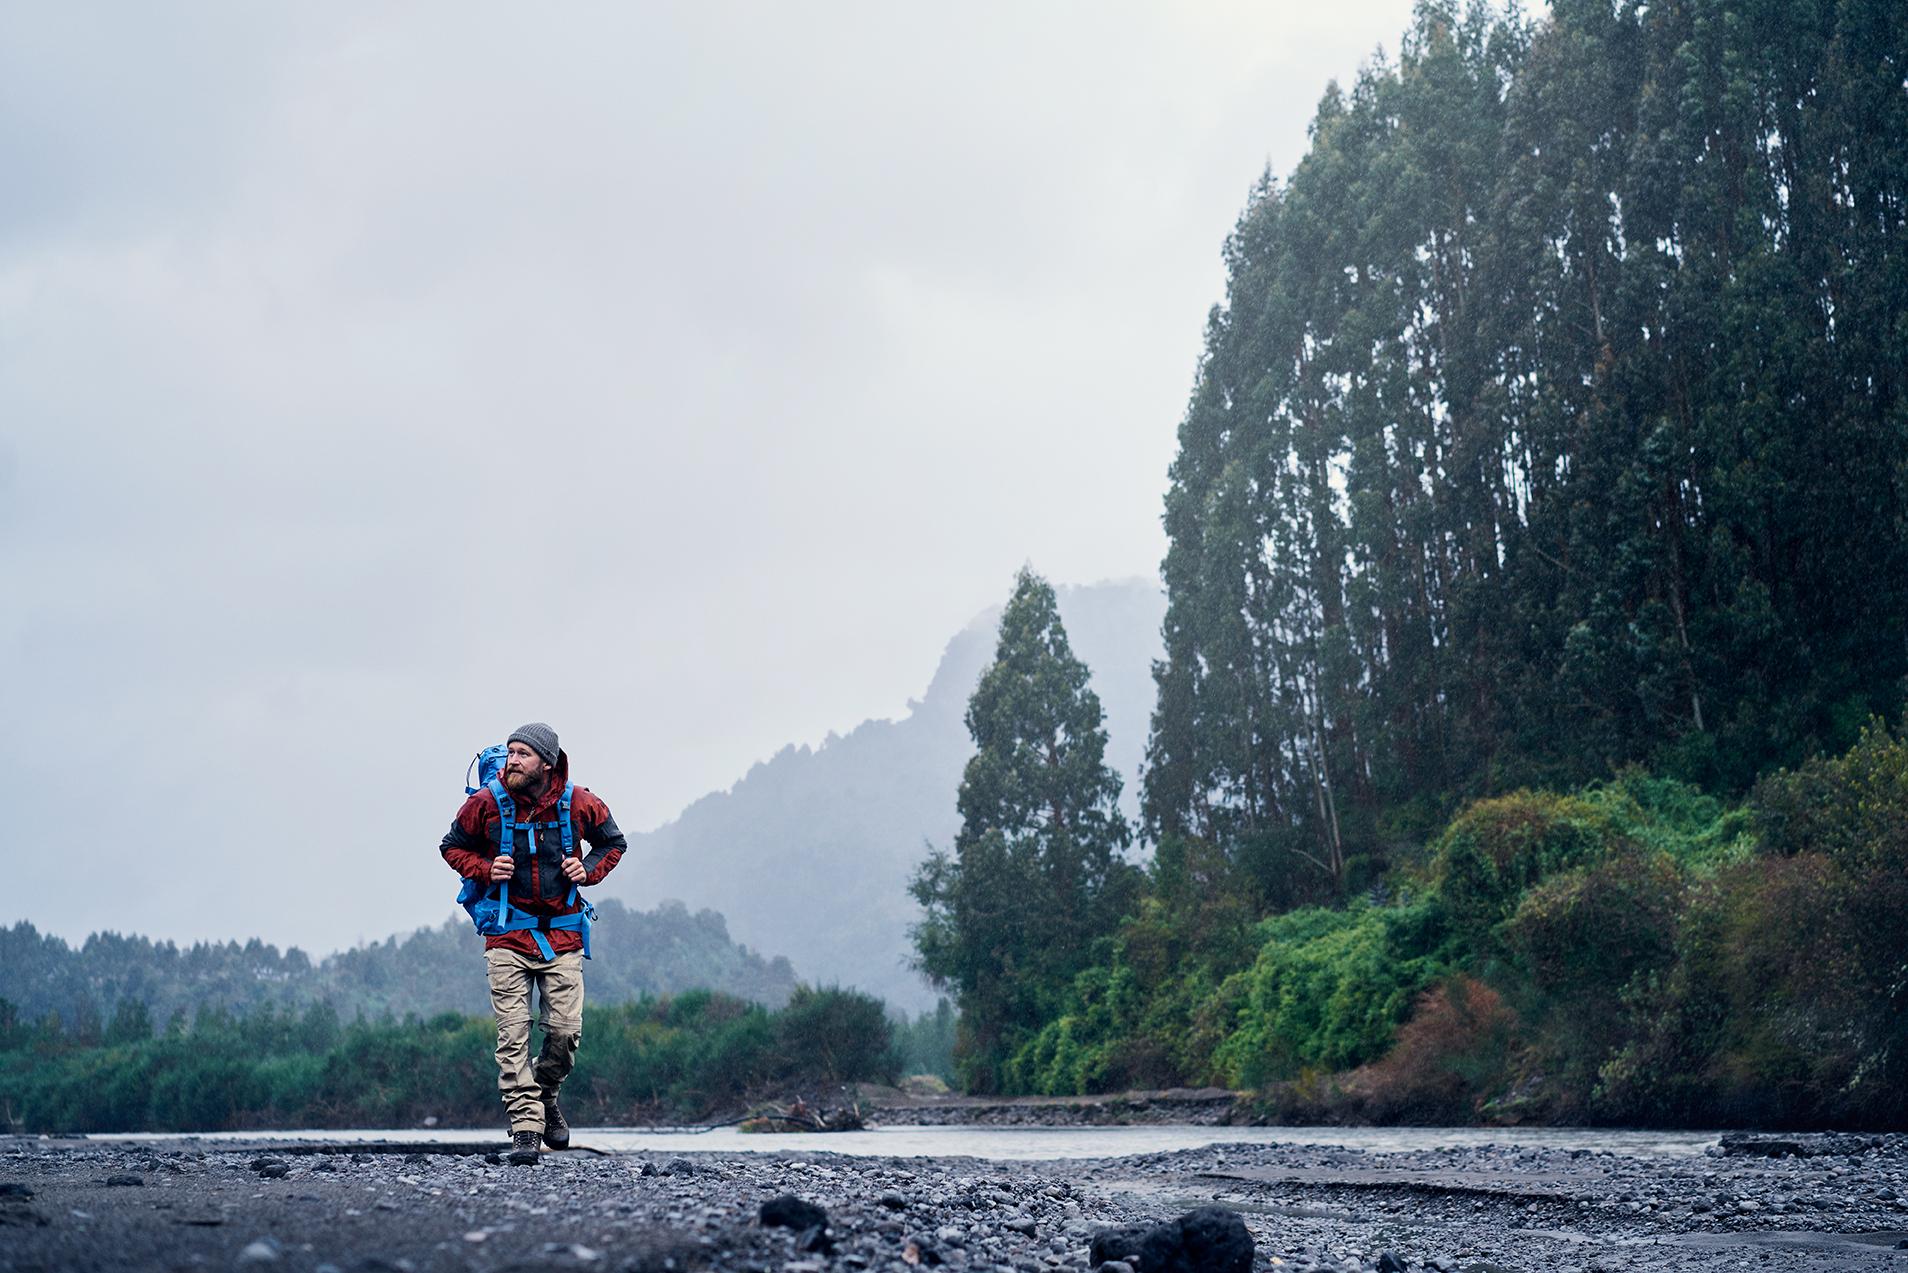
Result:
{"points": [[538, 927]]}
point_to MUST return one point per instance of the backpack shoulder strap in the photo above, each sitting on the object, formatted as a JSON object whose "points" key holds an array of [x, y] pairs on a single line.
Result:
{"points": [[506, 839], [569, 836], [506, 807]]}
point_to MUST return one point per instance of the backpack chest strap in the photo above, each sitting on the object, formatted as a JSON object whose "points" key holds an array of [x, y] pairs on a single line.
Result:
{"points": [[507, 844], [507, 821]]}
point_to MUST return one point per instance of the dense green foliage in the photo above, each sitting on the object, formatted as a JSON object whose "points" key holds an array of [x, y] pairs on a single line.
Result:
{"points": [[1637, 953], [433, 970], [1036, 873], [680, 1056], [1555, 420], [1789, 990]]}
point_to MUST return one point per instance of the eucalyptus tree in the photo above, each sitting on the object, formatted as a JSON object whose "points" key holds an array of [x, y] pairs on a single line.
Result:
{"points": [[1554, 420]]}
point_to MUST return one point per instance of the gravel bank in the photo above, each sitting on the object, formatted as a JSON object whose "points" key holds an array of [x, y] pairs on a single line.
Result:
{"points": [[170, 1205], [1194, 1106]]}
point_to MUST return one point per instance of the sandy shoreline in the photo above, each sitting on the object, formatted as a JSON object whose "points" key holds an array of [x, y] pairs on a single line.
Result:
{"points": [[167, 1205]]}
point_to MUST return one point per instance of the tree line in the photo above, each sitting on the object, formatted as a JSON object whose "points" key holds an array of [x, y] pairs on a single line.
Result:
{"points": [[655, 1058], [432, 970], [1538, 557]]}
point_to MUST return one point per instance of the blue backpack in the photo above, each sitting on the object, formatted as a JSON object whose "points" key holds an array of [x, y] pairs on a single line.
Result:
{"points": [[489, 908]]}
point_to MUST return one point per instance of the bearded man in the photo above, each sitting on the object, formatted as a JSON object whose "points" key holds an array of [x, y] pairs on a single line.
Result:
{"points": [[518, 836]]}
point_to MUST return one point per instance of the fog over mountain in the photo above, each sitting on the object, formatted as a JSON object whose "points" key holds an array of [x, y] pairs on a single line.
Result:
{"points": [[809, 854]]}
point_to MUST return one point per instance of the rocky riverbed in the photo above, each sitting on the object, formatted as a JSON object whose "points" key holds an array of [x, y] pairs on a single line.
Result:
{"points": [[1825, 1204]]}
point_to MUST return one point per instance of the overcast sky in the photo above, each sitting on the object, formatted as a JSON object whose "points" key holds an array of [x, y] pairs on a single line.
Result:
{"points": [[374, 378]]}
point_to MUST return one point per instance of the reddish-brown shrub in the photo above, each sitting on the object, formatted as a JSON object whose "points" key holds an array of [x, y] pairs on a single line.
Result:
{"points": [[1451, 1057]]}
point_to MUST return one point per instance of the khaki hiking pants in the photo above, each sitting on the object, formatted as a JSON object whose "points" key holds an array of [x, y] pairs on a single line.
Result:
{"points": [[559, 986]]}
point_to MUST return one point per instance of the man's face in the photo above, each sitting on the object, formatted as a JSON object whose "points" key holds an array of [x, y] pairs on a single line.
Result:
{"points": [[523, 769]]}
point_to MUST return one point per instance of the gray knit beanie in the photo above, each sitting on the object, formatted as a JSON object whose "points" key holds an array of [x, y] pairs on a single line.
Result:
{"points": [[538, 737]]}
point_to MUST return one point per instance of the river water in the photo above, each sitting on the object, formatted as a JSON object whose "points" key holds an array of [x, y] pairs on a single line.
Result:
{"points": [[1030, 1143]]}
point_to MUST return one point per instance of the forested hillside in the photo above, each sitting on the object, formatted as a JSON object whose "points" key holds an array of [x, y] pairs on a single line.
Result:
{"points": [[143, 984], [1554, 420], [1527, 741]]}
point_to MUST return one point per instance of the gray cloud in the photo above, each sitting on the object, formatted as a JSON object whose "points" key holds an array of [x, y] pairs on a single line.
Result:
{"points": [[374, 379]]}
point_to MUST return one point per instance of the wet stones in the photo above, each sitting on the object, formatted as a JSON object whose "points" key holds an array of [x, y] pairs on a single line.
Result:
{"points": [[1802, 1145], [921, 1250], [1308, 1209]]}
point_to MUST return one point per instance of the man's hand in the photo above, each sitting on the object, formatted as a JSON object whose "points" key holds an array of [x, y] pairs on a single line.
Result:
{"points": [[573, 870], [502, 868]]}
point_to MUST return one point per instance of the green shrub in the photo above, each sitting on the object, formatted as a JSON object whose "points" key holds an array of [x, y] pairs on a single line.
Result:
{"points": [[1852, 809], [1071, 1054], [1327, 990], [831, 1036], [1123, 1029], [1668, 816], [1750, 1025], [1495, 849], [1577, 940]]}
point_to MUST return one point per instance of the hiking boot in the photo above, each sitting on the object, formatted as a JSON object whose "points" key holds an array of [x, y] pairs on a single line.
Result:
{"points": [[523, 1148], [556, 1129]]}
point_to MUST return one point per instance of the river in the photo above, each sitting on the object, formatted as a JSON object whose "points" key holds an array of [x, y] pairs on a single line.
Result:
{"points": [[1037, 1143]]}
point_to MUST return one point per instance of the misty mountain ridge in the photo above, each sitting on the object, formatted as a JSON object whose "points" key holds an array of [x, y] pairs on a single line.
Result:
{"points": [[809, 854]]}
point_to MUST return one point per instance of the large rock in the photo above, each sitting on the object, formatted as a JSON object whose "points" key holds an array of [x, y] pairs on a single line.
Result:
{"points": [[1121, 1243], [1207, 1240], [790, 1212]]}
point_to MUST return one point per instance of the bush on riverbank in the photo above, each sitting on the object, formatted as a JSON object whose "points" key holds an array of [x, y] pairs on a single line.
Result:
{"points": [[671, 1057], [1636, 952]]}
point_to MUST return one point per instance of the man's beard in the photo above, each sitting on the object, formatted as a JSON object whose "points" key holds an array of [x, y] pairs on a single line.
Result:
{"points": [[522, 783]]}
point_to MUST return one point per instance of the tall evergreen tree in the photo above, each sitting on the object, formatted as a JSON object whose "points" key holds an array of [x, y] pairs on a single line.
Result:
{"points": [[1037, 872], [1554, 421]]}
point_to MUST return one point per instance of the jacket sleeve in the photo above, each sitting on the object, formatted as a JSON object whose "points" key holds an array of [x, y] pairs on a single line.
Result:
{"points": [[600, 832], [465, 846]]}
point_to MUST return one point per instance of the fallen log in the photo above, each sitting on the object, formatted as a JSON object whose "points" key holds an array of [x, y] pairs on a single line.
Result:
{"points": [[799, 1117]]}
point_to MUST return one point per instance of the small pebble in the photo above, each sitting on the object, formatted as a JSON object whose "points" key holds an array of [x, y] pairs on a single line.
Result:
{"points": [[263, 1251]]}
